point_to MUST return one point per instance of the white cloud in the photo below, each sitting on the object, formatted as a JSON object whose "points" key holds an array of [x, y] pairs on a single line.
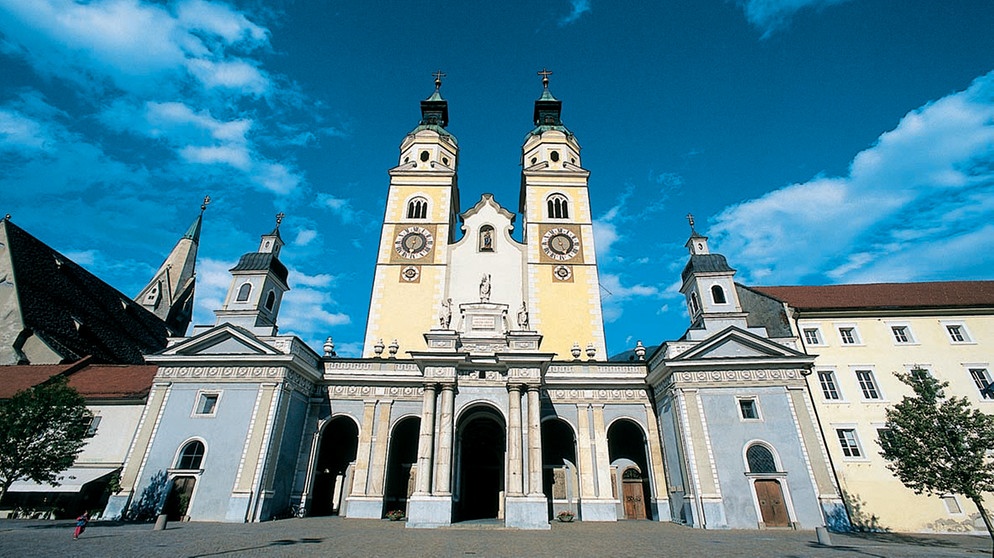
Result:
{"points": [[772, 15], [339, 206], [577, 9], [911, 207], [614, 295], [305, 237]]}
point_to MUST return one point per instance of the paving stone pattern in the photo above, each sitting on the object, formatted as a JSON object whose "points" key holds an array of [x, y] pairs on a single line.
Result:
{"points": [[331, 537]]}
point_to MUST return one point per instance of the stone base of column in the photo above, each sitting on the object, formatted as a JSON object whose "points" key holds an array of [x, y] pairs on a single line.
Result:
{"points": [[364, 507], [526, 512], [116, 505], [427, 512], [661, 509], [598, 510]]}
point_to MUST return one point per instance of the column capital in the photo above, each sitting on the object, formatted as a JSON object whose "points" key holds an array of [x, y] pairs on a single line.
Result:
{"points": [[515, 387]]}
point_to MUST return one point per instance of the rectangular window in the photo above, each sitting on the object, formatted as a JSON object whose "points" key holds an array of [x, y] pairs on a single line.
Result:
{"points": [[848, 335], [882, 434], [951, 504], [847, 439], [901, 334], [812, 336], [957, 333], [828, 387], [982, 378], [749, 409], [91, 428], [207, 404], [867, 384]]}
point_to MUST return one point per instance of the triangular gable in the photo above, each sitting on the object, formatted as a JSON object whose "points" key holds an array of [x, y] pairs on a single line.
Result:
{"points": [[224, 339], [734, 342]]}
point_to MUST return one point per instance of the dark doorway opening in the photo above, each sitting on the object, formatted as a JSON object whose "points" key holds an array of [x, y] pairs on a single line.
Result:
{"points": [[178, 501], [403, 455], [481, 465], [626, 440], [558, 453], [336, 452]]}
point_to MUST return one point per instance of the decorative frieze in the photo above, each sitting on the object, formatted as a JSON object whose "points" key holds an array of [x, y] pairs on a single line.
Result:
{"points": [[369, 366], [737, 375], [222, 372], [597, 395], [582, 369], [379, 392]]}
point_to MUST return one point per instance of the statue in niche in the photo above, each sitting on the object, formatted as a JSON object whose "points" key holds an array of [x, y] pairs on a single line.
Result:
{"points": [[485, 288], [487, 239], [523, 316], [445, 315]]}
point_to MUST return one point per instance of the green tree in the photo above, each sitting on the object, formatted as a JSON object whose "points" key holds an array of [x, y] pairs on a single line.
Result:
{"points": [[41, 433], [938, 444]]}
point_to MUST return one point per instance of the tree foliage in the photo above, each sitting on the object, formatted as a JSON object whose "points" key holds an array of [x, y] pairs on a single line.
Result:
{"points": [[940, 445], [42, 430]]}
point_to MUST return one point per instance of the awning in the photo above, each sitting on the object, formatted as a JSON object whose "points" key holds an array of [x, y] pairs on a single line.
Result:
{"points": [[72, 479]]}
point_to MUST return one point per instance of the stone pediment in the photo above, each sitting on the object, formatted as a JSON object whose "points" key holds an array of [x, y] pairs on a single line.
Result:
{"points": [[224, 339], [733, 343]]}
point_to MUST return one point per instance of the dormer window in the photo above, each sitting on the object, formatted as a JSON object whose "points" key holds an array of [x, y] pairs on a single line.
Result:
{"points": [[417, 208], [717, 294], [243, 292], [558, 206]]}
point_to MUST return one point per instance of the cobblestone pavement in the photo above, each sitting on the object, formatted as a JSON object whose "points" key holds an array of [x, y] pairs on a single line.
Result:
{"points": [[328, 537]]}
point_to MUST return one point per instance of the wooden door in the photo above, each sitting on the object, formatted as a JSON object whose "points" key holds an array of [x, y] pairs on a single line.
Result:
{"points": [[771, 503], [632, 495], [178, 502]]}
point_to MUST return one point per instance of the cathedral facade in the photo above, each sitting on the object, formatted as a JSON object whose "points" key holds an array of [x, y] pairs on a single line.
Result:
{"points": [[484, 390]]}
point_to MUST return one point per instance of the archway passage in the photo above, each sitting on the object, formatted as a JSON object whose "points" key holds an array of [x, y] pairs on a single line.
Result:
{"points": [[178, 502], [403, 455], [627, 441], [481, 466], [336, 452], [558, 457]]}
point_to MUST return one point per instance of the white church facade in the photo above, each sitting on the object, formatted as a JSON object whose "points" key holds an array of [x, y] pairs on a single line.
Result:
{"points": [[484, 390]]}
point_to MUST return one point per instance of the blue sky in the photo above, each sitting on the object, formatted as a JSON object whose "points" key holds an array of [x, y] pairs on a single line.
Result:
{"points": [[815, 141]]}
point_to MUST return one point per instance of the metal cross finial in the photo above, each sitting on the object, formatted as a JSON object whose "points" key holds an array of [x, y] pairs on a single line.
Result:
{"points": [[207, 201], [438, 79], [545, 77], [690, 219], [279, 218]]}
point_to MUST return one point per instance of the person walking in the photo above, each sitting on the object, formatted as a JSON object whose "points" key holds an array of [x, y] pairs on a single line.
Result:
{"points": [[81, 523]]}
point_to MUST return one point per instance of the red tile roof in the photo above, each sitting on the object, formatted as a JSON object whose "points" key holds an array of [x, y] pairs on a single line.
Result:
{"points": [[96, 381], [945, 294]]}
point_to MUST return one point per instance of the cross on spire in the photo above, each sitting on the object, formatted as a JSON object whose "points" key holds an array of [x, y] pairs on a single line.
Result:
{"points": [[690, 219], [438, 79], [545, 77], [207, 201], [279, 218]]}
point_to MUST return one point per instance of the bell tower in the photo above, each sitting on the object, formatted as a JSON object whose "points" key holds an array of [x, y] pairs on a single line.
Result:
{"points": [[418, 225], [563, 289]]}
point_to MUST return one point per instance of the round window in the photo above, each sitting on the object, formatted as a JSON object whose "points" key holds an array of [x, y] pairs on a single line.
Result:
{"points": [[424, 156], [554, 156]]}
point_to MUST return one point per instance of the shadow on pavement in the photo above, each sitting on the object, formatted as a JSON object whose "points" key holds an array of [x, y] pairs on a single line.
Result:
{"points": [[279, 542]]}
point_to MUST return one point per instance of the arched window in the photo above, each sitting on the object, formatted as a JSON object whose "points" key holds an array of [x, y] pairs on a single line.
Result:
{"points": [[695, 305], [558, 206], [270, 301], [717, 294], [417, 208], [243, 292], [192, 455], [760, 459]]}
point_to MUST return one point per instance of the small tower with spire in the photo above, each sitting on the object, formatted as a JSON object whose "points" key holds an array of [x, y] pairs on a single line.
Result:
{"points": [[709, 288], [258, 283], [169, 295]]}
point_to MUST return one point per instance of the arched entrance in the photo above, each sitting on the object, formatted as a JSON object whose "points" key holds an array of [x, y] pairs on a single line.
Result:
{"points": [[178, 502], [480, 471], [403, 455], [336, 453], [766, 482], [627, 450], [559, 482]]}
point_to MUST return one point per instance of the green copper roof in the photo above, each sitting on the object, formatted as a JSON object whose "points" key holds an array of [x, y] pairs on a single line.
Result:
{"points": [[193, 233]]}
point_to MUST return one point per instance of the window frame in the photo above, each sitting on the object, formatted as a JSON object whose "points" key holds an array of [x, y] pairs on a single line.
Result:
{"points": [[874, 384], [833, 380], [717, 289], [852, 450], [986, 393], [557, 212], [417, 208], [819, 341], [92, 426], [899, 330], [851, 332], [740, 400], [245, 288], [198, 403], [180, 454], [961, 331]]}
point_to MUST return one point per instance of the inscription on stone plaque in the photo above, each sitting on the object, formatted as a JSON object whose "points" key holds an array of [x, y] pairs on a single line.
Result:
{"points": [[484, 322]]}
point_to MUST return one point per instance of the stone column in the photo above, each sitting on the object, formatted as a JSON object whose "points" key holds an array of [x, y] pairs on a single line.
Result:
{"points": [[515, 486], [585, 461], [377, 467], [426, 442], [443, 459], [534, 443], [365, 447], [601, 453]]}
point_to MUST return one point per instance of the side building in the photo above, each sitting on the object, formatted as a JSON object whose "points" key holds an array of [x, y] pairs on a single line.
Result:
{"points": [[861, 335]]}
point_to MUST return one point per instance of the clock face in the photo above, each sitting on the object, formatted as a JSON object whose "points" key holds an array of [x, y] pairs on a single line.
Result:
{"points": [[414, 243], [560, 244]]}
